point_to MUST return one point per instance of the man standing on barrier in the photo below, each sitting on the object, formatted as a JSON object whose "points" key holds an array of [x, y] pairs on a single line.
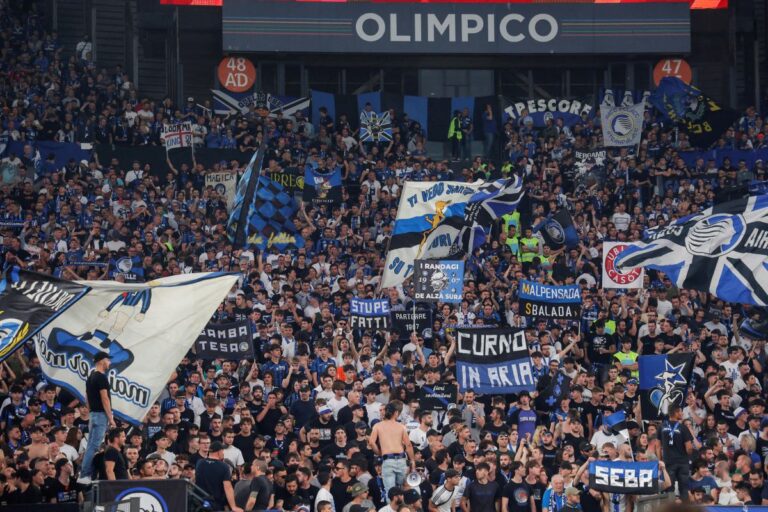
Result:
{"points": [[100, 405], [677, 446], [389, 440]]}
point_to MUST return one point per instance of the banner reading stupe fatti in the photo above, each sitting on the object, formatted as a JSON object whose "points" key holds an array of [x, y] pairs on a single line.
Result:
{"points": [[510, 368], [369, 313], [146, 328], [542, 300]]}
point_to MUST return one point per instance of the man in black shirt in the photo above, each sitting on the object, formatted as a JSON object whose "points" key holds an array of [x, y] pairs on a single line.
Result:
{"points": [[100, 405], [115, 466], [516, 495], [214, 477], [677, 445]]}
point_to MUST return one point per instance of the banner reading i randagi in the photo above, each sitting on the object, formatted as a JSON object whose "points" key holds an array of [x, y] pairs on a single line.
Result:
{"points": [[146, 328], [509, 369], [542, 300], [233, 340], [369, 313]]}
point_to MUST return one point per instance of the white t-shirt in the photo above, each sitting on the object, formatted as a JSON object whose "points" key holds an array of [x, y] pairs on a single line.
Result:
{"points": [[234, 455], [324, 495]]}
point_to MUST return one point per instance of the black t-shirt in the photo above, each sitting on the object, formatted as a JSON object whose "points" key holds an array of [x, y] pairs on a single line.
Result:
{"points": [[588, 502], [482, 496], [93, 386], [537, 491], [121, 467], [339, 491], [210, 475], [263, 489], [600, 341], [245, 445], [61, 493], [674, 435], [519, 496], [326, 430]]}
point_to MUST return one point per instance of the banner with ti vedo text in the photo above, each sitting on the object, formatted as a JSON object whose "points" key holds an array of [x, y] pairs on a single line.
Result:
{"points": [[619, 477], [612, 276], [439, 281], [541, 300], [493, 361], [369, 313], [233, 340], [146, 328]]}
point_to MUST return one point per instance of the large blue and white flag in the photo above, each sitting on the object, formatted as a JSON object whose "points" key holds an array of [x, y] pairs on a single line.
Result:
{"points": [[622, 126], [723, 251], [664, 381], [467, 231], [146, 329], [423, 207]]}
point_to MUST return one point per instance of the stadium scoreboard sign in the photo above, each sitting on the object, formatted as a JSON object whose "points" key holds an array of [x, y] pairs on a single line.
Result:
{"points": [[455, 28]]}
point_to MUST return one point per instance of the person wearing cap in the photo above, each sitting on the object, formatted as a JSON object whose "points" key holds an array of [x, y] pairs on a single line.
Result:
{"points": [[572, 500], [214, 477], [97, 392], [359, 494], [445, 496]]}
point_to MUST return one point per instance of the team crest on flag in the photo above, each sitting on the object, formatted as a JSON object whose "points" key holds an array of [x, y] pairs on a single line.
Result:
{"points": [[664, 380], [622, 126], [439, 281], [723, 251]]}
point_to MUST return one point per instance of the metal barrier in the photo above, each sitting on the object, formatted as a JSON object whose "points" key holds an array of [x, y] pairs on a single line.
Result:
{"points": [[653, 502]]}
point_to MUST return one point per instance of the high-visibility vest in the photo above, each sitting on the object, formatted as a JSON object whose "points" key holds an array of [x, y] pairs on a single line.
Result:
{"points": [[527, 257], [454, 129]]}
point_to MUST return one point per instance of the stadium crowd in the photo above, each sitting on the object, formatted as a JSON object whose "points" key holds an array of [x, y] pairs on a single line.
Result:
{"points": [[293, 427]]}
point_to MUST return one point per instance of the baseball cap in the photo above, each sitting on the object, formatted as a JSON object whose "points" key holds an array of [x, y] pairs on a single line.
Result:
{"points": [[739, 411], [361, 424], [100, 355], [633, 381], [412, 496], [572, 491], [357, 489], [325, 410], [216, 446]]}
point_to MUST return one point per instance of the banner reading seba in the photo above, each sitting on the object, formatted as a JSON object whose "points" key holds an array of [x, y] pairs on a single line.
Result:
{"points": [[542, 300], [439, 281], [510, 370], [621, 477], [146, 329], [28, 301], [232, 340]]}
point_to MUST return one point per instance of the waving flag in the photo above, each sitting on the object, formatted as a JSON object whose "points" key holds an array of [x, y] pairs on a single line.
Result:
{"points": [[664, 381], [622, 126], [467, 229], [558, 231], [423, 207], [723, 250], [704, 119], [618, 423], [375, 127]]}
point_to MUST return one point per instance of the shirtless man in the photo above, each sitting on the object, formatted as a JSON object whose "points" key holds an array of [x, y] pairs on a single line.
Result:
{"points": [[389, 440]]}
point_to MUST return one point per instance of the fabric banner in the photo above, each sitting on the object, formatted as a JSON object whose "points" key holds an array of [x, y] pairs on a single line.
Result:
{"points": [[152, 495], [539, 110], [613, 277], [686, 105], [541, 300], [146, 328], [551, 396], [263, 211], [438, 397], [558, 231], [403, 322], [619, 477], [586, 160], [232, 340], [617, 422], [465, 231], [439, 281], [423, 207], [224, 183], [226, 102], [28, 302], [510, 369], [176, 135], [369, 313], [129, 268], [664, 380], [622, 126], [291, 179], [722, 250], [322, 188], [375, 127]]}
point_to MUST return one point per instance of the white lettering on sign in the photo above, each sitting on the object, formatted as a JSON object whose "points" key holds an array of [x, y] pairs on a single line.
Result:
{"points": [[513, 28], [621, 477], [491, 344]]}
